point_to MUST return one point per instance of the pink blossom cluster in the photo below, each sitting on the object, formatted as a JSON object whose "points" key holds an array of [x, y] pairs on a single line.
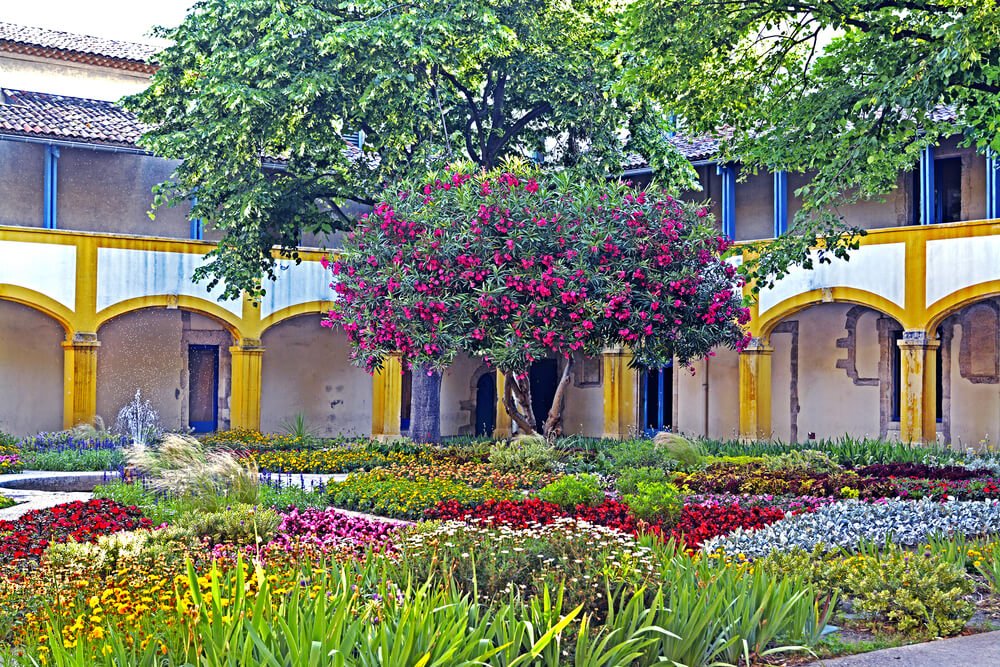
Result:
{"points": [[514, 270], [330, 528]]}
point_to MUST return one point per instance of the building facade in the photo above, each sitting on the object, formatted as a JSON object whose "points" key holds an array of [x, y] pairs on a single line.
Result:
{"points": [[97, 300]]}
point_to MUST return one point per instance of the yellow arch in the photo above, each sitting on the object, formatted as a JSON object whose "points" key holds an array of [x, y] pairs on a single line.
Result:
{"points": [[279, 316], [774, 315], [208, 308], [38, 301], [959, 299]]}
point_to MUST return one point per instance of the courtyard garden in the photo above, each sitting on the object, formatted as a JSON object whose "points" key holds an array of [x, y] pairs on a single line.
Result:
{"points": [[287, 549]]}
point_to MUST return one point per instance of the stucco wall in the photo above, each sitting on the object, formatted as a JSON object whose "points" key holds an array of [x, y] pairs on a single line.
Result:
{"points": [[456, 389], [31, 369], [59, 77], [112, 192], [584, 411], [975, 406], [723, 396], [21, 171], [142, 350], [831, 404], [754, 206], [307, 369]]}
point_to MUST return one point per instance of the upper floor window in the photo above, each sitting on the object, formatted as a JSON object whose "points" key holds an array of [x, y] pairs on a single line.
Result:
{"points": [[948, 189]]}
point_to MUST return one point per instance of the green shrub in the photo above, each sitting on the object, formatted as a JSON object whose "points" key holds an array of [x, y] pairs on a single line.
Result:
{"points": [[915, 593], [655, 502], [239, 524], [573, 490], [523, 453], [803, 460], [628, 481], [678, 448], [637, 454], [286, 497]]}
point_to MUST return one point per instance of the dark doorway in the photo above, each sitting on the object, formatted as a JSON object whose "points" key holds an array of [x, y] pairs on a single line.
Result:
{"points": [[486, 404], [658, 398], [203, 388], [405, 399], [543, 380]]}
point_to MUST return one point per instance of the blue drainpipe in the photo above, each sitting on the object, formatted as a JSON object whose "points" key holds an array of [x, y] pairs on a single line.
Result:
{"points": [[51, 188]]}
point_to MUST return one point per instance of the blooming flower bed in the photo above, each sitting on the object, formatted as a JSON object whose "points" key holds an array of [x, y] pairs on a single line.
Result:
{"points": [[332, 529], [27, 537], [384, 493], [337, 460]]}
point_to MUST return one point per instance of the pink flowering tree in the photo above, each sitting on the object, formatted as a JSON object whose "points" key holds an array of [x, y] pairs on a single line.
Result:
{"points": [[514, 266]]}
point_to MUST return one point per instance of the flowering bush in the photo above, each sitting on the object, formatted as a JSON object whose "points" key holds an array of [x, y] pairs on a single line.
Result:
{"points": [[383, 492], [516, 267], [498, 560], [11, 463], [239, 439], [27, 537], [475, 474], [331, 529], [337, 460]]}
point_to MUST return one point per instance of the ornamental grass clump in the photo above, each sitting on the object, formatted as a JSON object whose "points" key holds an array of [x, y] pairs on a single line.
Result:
{"points": [[206, 480]]}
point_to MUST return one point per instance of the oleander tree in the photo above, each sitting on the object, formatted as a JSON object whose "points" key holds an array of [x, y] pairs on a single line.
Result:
{"points": [[515, 265]]}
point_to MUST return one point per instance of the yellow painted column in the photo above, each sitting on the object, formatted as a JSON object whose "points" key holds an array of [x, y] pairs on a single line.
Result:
{"points": [[80, 379], [387, 389], [918, 387], [503, 426], [620, 390], [755, 390], [244, 404]]}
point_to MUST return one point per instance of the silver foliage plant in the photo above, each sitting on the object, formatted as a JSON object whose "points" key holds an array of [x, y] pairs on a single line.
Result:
{"points": [[848, 522], [139, 421]]}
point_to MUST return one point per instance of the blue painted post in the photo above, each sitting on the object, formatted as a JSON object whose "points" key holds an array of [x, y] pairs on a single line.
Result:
{"points": [[992, 189], [197, 228], [780, 203], [728, 173], [928, 208], [659, 399], [50, 187]]}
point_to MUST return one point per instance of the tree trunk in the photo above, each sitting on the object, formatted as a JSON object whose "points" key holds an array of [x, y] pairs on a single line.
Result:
{"points": [[425, 405], [514, 395], [553, 426]]}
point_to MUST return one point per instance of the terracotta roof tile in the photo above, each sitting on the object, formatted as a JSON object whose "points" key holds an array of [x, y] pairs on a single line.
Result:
{"points": [[67, 118], [83, 44]]}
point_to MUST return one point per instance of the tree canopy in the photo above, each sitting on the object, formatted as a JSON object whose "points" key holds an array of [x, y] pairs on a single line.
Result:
{"points": [[850, 90], [516, 266], [254, 96]]}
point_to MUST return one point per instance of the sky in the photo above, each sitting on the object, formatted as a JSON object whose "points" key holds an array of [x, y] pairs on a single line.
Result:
{"points": [[128, 20]]}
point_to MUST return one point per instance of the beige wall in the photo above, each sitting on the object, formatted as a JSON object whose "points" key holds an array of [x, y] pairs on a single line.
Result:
{"points": [[754, 206], [60, 77], [147, 350], [31, 368], [974, 405], [21, 173], [722, 377], [458, 396], [307, 369], [584, 411], [113, 192]]}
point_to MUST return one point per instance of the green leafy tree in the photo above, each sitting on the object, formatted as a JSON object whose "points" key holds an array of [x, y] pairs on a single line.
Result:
{"points": [[516, 265], [254, 97], [848, 91]]}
